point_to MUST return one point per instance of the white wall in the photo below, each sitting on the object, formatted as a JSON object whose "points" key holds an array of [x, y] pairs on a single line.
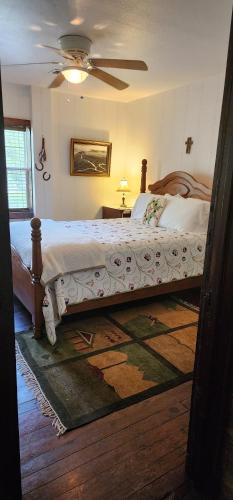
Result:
{"points": [[16, 101], [58, 120], [89, 119], [155, 128], [158, 127], [43, 126]]}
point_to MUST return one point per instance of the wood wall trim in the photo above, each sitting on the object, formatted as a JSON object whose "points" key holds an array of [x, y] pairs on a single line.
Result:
{"points": [[17, 123], [213, 377], [10, 486], [21, 213]]}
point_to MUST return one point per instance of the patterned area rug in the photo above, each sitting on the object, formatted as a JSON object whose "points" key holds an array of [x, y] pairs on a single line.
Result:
{"points": [[121, 357]]}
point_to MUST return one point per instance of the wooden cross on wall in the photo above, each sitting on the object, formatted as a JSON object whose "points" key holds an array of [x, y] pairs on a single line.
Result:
{"points": [[189, 144]]}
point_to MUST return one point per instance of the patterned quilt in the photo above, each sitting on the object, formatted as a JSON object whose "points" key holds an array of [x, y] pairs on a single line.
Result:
{"points": [[136, 256]]}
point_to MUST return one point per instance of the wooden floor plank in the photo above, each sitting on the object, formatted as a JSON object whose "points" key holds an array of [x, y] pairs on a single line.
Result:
{"points": [[125, 488], [27, 406], [30, 421], [102, 446], [95, 432], [45, 440], [24, 393], [158, 488], [153, 445]]}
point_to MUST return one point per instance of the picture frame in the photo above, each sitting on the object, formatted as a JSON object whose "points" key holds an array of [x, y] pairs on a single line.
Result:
{"points": [[90, 158]]}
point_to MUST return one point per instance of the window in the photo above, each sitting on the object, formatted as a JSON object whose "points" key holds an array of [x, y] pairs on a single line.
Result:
{"points": [[18, 163]]}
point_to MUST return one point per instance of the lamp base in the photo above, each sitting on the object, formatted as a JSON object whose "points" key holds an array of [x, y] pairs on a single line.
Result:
{"points": [[123, 205]]}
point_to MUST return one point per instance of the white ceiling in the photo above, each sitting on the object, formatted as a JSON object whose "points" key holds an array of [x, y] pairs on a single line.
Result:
{"points": [[180, 40]]}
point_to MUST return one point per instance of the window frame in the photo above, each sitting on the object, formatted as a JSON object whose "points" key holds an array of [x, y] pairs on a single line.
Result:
{"points": [[21, 125]]}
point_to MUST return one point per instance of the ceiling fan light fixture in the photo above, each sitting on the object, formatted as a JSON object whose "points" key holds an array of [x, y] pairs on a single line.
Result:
{"points": [[74, 75]]}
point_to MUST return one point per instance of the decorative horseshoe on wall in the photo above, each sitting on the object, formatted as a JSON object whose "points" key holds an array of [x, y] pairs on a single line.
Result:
{"points": [[48, 176]]}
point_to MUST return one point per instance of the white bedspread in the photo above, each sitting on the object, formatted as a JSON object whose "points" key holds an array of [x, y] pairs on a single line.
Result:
{"points": [[66, 248], [136, 256]]}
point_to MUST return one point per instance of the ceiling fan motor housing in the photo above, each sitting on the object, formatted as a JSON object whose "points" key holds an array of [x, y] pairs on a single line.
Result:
{"points": [[75, 44]]}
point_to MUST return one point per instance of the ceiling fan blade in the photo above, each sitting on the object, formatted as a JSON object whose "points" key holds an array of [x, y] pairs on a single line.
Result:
{"points": [[107, 78], [29, 64], [119, 63], [57, 81], [61, 52]]}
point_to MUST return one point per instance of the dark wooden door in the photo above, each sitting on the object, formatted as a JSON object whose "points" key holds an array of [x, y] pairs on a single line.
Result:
{"points": [[10, 487], [214, 357]]}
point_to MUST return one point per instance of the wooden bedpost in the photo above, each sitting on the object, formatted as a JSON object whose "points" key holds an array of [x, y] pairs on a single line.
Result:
{"points": [[36, 272], [143, 176]]}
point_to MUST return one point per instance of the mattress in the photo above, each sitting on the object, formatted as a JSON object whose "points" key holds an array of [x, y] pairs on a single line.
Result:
{"points": [[136, 256]]}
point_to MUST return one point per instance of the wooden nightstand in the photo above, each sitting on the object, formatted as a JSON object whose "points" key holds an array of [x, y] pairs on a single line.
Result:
{"points": [[115, 212]]}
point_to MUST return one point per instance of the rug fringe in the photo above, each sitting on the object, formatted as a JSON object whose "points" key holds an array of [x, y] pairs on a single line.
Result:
{"points": [[32, 383]]}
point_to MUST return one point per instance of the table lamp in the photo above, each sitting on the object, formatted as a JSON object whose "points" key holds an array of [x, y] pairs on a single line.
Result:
{"points": [[123, 188]]}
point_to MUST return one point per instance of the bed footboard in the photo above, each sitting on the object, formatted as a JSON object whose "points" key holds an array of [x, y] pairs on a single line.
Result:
{"points": [[27, 286]]}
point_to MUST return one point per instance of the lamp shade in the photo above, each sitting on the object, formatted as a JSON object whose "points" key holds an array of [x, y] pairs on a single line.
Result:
{"points": [[123, 186], [74, 75]]}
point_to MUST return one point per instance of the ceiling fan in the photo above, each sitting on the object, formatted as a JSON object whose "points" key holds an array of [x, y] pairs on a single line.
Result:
{"points": [[75, 49]]}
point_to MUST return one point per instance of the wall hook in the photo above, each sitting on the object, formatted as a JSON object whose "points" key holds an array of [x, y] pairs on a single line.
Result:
{"points": [[42, 153], [42, 158], [39, 168]]}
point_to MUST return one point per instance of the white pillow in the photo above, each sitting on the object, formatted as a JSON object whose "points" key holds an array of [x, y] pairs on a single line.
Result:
{"points": [[173, 195], [185, 214], [140, 205], [142, 201]]}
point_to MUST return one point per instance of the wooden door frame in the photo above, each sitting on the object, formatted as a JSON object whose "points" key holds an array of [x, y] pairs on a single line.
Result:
{"points": [[10, 483], [213, 373]]}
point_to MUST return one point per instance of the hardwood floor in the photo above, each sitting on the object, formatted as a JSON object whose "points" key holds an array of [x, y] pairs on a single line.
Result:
{"points": [[135, 453]]}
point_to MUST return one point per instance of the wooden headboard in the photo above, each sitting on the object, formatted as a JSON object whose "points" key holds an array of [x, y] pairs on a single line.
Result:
{"points": [[176, 183]]}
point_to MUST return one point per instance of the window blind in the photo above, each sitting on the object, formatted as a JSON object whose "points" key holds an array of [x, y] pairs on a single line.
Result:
{"points": [[18, 163]]}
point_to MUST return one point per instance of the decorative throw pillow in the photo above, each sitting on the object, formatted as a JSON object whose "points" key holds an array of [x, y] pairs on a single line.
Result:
{"points": [[154, 211], [141, 204]]}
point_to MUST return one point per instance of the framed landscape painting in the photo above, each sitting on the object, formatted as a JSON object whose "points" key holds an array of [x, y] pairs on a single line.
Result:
{"points": [[90, 158]]}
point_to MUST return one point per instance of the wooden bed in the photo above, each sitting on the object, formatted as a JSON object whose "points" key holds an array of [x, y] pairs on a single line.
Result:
{"points": [[30, 292]]}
